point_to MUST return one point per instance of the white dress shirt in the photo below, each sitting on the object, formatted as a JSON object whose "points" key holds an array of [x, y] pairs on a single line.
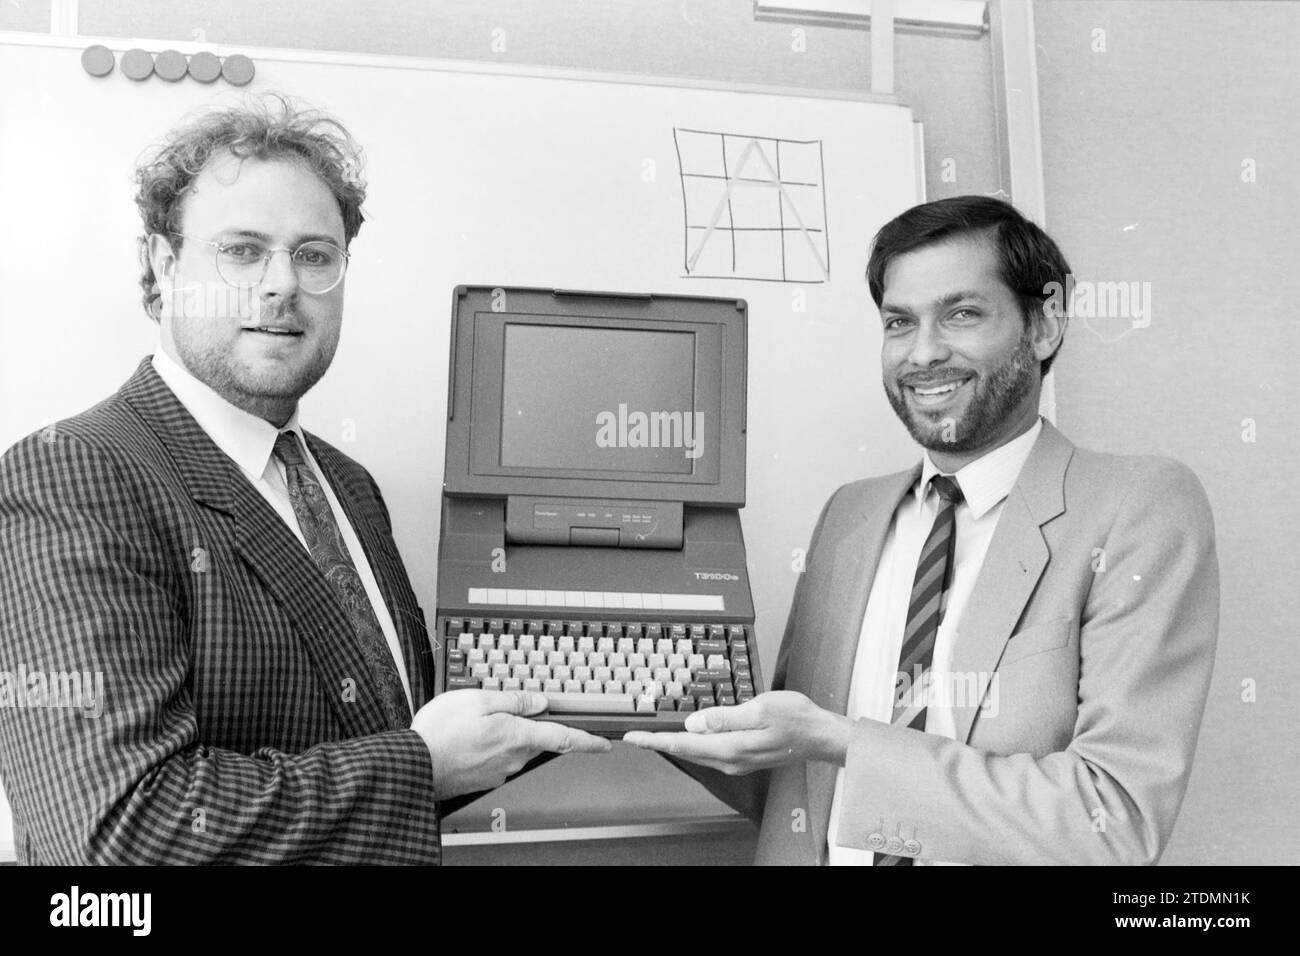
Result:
{"points": [[249, 441], [985, 484]]}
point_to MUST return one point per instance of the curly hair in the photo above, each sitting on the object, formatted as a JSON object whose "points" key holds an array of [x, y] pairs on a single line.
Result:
{"points": [[266, 127]]}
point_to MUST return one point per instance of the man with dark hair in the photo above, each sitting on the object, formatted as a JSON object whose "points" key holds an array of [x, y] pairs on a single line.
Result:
{"points": [[231, 579], [1002, 654]]}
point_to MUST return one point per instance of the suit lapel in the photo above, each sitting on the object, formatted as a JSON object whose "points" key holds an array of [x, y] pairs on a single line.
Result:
{"points": [[853, 568], [269, 548], [1015, 561], [389, 574]]}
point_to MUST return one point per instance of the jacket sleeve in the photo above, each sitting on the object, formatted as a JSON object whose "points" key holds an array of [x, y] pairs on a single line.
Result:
{"points": [[747, 794], [87, 587], [1148, 628]]}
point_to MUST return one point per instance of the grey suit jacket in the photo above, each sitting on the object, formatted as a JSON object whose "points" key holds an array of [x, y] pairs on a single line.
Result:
{"points": [[1088, 643]]}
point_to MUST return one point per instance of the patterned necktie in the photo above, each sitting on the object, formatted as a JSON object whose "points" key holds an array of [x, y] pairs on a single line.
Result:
{"points": [[330, 555], [924, 612]]}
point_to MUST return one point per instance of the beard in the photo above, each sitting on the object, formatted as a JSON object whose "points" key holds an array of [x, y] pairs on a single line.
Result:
{"points": [[994, 397], [256, 388]]}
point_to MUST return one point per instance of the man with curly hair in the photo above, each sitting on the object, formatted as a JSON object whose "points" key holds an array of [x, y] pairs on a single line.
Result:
{"points": [[267, 687]]}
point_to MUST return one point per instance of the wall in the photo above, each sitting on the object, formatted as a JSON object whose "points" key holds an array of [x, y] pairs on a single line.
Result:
{"points": [[1143, 146]]}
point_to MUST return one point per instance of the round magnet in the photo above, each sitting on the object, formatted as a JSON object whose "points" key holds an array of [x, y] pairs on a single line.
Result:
{"points": [[97, 60], [137, 64], [205, 67], [237, 69], [171, 65]]}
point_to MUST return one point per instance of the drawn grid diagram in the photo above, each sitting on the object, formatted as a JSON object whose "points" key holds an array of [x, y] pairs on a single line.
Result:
{"points": [[754, 207]]}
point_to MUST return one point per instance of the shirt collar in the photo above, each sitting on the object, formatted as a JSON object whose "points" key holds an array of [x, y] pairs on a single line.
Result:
{"points": [[247, 439], [988, 479]]}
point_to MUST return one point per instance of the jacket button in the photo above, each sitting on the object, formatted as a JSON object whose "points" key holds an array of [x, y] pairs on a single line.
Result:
{"points": [[893, 845], [875, 841], [911, 848]]}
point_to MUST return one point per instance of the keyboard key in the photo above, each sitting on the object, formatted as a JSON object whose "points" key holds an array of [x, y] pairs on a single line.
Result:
{"points": [[475, 624], [664, 647], [695, 662], [635, 632], [512, 683], [596, 659], [454, 626], [554, 629], [567, 703], [602, 674], [675, 689], [645, 705], [654, 631], [697, 632], [566, 644], [465, 641], [616, 660], [633, 687], [677, 631], [536, 658], [710, 676], [573, 687], [527, 642], [520, 671], [515, 626], [496, 657], [501, 671], [665, 703], [595, 629], [535, 627], [542, 672], [685, 704], [563, 672], [593, 687], [736, 632], [456, 683], [516, 657], [711, 647], [480, 671], [552, 686], [533, 684], [614, 687], [586, 645], [496, 625], [605, 645], [636, 660], [491, 683], [486, 642], [625, 646], [682, 675], [684, 647], [506, 642], [546, 643]]}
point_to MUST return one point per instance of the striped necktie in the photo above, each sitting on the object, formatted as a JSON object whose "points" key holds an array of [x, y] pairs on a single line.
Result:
{"points": [[330, 554], [924, 612]]}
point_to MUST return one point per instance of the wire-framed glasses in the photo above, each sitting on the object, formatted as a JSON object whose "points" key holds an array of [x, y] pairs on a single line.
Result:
{"points": [[242, 262]]}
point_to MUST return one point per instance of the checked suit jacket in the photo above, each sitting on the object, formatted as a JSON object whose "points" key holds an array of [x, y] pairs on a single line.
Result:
{"points": [[1085, 653], [239, 722]]}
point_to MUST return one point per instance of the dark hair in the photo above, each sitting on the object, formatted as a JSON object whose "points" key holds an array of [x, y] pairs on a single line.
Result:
{"points": [[1030, 259], [266, 127]]}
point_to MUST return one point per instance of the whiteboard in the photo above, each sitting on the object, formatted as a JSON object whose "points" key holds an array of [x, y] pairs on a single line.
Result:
{"points": [[494, 178]]}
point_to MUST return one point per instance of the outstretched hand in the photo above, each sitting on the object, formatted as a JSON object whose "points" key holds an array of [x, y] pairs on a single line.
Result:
{"points": [[773, 729]]}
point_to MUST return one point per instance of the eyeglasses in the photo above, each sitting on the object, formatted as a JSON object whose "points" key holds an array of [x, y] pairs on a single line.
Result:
{"points": [[320, 265]]}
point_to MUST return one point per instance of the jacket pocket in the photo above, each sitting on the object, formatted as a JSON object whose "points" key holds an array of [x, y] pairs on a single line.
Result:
{"points": [[1038, 638]]}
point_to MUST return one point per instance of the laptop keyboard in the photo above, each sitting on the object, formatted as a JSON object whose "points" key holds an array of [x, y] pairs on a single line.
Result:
{"points": [[603, 667]]}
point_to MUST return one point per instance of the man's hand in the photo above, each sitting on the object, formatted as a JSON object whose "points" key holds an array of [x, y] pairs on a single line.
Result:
{"points": [[478, 738], [775, 728]]}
